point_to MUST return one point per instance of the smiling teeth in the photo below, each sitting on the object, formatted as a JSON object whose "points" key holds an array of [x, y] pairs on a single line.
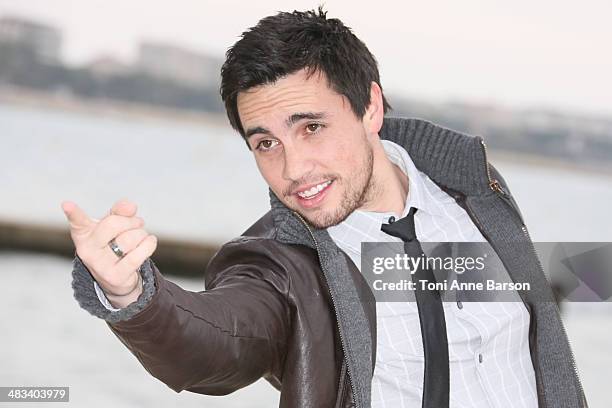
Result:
{"points": [[314, 190]]}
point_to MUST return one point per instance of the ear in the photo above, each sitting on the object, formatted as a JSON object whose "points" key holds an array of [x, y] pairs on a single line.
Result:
{"points": [[373, 117]]}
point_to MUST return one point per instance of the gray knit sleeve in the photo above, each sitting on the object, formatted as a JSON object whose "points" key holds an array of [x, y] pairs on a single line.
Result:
{"points": [[85, 294]]}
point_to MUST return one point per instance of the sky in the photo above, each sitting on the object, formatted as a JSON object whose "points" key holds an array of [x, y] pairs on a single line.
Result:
{"points": [[526, 54]]}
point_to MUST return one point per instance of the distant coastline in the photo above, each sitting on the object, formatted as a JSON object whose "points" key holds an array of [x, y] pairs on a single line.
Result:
{"points": [[597, 169], [27, 97], [67, 102]]}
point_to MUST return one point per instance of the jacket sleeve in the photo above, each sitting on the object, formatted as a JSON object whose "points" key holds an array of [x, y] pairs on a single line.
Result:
{"points": [[217, 340]]}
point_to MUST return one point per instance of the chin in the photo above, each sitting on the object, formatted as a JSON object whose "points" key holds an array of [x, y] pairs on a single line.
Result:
{"points": [[324, 218]]}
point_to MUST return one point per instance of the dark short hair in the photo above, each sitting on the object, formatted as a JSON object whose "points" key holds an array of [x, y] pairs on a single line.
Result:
{"points": [[284, 43]]}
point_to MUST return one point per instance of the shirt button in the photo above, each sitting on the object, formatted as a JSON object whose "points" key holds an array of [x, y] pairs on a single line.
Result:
{"points": [[391, 219], [459, 304], [480, 358]]}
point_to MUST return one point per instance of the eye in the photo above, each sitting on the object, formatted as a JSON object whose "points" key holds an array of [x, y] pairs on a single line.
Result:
{"points": [[265, 145], [314, 127]]}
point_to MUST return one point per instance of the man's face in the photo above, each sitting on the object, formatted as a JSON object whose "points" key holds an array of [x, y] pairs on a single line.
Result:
{"points": [[311, 149]]}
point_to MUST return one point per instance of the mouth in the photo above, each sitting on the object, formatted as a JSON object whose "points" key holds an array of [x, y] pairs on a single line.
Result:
{"points": [[313, 196]]}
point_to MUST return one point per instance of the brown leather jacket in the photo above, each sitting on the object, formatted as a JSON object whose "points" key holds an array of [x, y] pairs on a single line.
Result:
{"points": [[265, 313], [283, 302]]}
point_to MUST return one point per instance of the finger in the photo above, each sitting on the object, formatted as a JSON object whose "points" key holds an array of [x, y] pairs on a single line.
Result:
{"points": [[126, 241], [112, 226], [129, 240], [76, 216], [135, 258], [125, 208]]}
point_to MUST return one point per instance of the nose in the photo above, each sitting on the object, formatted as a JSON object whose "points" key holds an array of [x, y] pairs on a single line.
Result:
{"points": [[297, 164]]}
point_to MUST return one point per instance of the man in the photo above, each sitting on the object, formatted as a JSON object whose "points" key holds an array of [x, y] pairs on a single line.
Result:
{"points": [[286, 300]]}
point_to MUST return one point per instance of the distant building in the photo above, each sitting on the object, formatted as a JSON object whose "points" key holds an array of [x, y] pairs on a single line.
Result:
{"points": [[107, 66], [43, 40], [179, 64]]}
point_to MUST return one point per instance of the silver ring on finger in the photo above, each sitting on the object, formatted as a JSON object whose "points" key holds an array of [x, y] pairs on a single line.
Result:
{"points": [[115, 248]]}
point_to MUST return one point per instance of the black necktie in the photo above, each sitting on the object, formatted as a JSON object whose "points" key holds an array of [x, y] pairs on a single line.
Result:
{"points": [[431, 315]]}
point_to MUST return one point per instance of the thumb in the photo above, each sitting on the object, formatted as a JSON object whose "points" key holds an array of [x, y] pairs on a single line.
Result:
{"points": [[76, 216]]}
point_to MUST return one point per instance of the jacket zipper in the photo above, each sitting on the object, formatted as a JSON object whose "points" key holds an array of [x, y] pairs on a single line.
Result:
{"points": [[495, 185], [348, 368]]}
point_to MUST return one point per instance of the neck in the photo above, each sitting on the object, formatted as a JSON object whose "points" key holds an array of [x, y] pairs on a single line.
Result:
{"points": [[388, 186]]}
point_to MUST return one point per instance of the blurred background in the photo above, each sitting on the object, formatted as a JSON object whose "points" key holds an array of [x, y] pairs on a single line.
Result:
{"points": [[104, 100]]}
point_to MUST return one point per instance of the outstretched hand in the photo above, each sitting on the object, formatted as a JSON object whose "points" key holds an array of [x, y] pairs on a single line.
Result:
{"points": [[118, 277]]}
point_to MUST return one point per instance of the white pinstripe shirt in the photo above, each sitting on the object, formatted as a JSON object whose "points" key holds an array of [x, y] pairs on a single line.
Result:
{"points": [[490, 363]]}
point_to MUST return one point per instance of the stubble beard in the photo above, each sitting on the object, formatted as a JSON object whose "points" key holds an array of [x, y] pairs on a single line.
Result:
{"points": [[358, 193]]}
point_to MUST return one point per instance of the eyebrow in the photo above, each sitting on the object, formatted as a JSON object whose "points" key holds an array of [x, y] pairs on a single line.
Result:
{"points": [[290, 121]]}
